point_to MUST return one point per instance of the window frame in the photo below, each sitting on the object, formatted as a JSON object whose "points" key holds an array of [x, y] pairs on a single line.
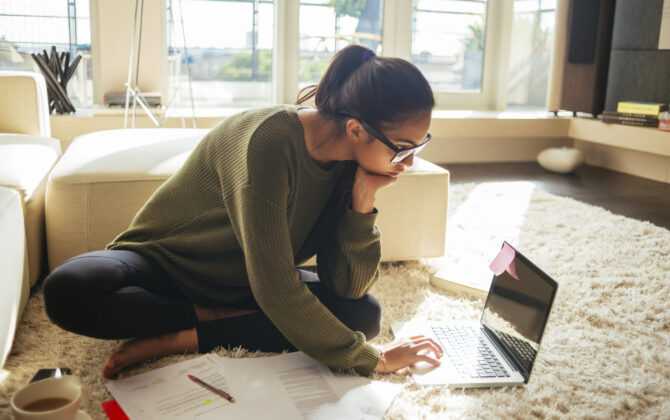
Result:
{"points": [[396, 41]]}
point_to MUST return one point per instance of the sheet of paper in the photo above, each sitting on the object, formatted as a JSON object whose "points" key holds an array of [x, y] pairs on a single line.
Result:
{"points": [[312, 388], [300, 380], [372, 398], [292, 384], [167, 393]]}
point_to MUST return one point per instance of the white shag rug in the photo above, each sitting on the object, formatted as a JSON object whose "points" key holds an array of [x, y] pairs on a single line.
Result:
{"points": [[605, 353]]}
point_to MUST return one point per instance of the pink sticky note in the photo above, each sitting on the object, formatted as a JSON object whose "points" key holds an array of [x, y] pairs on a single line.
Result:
{"points": [[504, 261]]}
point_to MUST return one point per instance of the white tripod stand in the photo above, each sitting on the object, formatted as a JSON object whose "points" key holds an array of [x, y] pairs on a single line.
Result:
{"points": [[133, 90]]}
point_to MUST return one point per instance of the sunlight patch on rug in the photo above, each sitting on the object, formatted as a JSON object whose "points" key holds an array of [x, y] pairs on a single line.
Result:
{"points": [[491, 212]]}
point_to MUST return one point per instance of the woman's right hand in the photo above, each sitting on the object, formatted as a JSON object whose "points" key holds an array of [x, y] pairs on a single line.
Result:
{"points": [[366, 185], [407, 352]]}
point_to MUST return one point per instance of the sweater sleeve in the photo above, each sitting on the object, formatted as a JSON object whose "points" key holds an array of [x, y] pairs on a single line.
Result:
{"points": [[261, 227], [348, 261], [349, 252]]}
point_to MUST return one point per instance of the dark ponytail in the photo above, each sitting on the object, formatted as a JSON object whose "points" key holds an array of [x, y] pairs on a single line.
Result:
{"points": [[382, 91]]}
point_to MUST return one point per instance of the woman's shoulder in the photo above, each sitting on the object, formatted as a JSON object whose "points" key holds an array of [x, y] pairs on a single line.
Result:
{"points": [[259, 123], [253, 118]]}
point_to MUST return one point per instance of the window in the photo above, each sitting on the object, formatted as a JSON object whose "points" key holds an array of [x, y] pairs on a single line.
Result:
{"points": [[531, 50], [31, 26], [448, 43], [327, 26], [229, 46], [477, 54]]}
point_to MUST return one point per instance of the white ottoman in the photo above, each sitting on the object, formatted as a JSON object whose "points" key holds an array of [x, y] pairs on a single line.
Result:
{"points": [[105, 177], [25, 163], [14, 280]]}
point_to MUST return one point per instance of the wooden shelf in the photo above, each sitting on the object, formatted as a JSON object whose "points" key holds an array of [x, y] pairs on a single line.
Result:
{"points": [[642, 139]]}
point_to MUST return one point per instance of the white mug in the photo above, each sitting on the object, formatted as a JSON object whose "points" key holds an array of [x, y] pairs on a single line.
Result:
{"points": [[67, 387]]}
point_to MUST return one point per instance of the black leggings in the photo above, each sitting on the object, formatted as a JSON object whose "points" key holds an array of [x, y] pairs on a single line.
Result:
{"points": [[122, 294]]}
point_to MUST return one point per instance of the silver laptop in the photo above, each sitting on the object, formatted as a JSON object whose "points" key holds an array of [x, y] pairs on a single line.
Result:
{"points": [[500, 350]]}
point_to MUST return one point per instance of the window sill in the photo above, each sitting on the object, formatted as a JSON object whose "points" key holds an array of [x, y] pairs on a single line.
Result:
{"points": [[446, 125], [223, 112]]}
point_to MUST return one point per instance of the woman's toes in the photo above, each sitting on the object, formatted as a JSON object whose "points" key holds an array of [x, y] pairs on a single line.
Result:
{"points": [[115, 362], [110, 370], [141, 350]]}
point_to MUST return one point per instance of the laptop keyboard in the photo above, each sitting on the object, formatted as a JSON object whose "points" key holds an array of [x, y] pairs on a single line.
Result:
{"points": [[524, 352], [469, 353]]}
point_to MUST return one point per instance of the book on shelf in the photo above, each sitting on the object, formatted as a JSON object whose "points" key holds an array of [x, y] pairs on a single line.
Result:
{"points": [[642, 117], [629, 119], [630, 122], [641, 108]]}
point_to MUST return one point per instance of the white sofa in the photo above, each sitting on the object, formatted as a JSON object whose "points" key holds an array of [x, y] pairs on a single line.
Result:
{"points": [[13, 267], [27, 154], [105, 177]]}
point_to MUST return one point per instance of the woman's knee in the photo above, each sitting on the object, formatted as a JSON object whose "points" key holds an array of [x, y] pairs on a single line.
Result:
{"points": [[56, 290], [374, 309], [73, 285], [59, 289], [365, 316]]}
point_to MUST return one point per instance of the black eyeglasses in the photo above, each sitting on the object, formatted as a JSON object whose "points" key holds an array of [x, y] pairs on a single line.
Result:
{"points": [[400, 153]]}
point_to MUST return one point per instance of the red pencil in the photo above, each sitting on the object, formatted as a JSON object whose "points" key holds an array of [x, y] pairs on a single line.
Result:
{"points": [[218, 391]]}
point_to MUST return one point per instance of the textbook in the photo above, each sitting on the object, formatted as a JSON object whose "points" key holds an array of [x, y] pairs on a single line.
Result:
{"points": [[641, 108]]}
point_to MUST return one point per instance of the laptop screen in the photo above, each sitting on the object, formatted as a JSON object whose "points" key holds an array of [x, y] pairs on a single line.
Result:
{"points": [[517, 310]]}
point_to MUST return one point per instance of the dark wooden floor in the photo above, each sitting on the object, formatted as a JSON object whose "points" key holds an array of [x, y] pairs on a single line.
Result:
{"points": [[631, 196]]}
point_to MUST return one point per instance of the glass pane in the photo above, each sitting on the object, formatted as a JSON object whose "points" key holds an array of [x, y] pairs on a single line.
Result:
{"points": [[31, 26], [229, 47], [327, 26], [530, 53], [448, 43]]}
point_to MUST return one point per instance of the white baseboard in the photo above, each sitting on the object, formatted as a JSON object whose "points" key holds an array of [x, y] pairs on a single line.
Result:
{"points": [[468, 150], [475, 150], [631, 162]]}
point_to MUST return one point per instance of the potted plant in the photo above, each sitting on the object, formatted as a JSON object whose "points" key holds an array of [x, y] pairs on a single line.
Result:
{"points": [[473, 56]]}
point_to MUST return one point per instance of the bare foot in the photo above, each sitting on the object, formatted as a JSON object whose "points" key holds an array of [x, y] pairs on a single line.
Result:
{"points": [[210, 313], [136, 351]]}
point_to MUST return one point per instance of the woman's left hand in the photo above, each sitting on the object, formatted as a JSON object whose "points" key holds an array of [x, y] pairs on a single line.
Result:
{"points": [[366, 185]]}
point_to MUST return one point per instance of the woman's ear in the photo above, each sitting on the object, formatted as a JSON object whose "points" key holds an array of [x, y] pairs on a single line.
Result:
{"points": [[355, 130]]}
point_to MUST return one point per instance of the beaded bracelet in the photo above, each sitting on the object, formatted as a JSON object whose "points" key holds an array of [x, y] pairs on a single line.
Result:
{"points": [[383, 359]]}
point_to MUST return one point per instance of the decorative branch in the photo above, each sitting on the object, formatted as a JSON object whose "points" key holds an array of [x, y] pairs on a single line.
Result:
{"points": [[57, 72]]}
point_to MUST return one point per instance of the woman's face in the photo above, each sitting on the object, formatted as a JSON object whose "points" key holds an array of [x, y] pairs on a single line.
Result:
{"points": [[374, 156]]}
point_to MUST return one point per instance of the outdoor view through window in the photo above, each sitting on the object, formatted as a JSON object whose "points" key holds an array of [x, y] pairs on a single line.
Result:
{"points": [[230, 44], [448, 43], [31, 26]]}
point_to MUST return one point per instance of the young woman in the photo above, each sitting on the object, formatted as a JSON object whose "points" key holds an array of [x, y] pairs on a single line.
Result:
{"points": [[210, 260]]}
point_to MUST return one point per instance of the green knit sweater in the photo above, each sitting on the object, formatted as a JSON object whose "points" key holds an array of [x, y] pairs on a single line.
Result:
{"points": [[249, 205]]}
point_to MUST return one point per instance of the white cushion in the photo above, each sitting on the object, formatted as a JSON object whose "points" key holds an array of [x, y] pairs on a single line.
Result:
{"points": [[104, 178], [13, 268], [25, 162], [126, 155], [102, 181], [24, 104], [560, 159]]}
